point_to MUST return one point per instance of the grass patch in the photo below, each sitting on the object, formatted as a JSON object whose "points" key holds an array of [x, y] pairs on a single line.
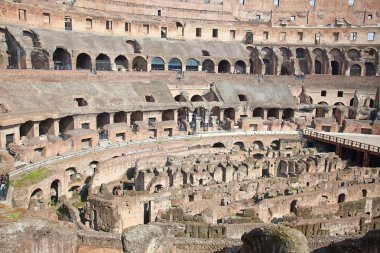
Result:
{"points": [[188, 140], [31, 177], [14, 216]]}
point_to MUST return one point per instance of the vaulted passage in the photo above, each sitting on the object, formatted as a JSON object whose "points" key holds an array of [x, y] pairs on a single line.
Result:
{"points": [[62, 59], [84, 61]]}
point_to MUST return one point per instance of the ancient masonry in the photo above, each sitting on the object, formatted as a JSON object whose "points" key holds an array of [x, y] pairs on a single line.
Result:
{"points": [[180, 126]]}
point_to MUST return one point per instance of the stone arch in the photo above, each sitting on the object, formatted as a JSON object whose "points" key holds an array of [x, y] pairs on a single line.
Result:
{"points": [[139, 64], [196, 98], [46, 127], [215, 111], [218, 145], [102, 119], [27, 129], [121, 63], [240, 67], [183, 113], [192, 65], [229, 113], [180, 98], [364, 193], [320, 61], [55, 192], [136, 116], [337, 62], [224, 66], [168, 115], [275, 145], [355, 70], [321, 110], [270, 60], [84, 61], [120, 117], [36, 200], [66, 123], [157, 64], [369, 102], [175, 64], [208, 65], [353, 54], [287, 68], [293, 207], [40, 59], [258, 112], [258, 145], [254, 61], [103, 62], [136, 48], [62, 59], [302, 56], [239, 144], [370, 69], [273, 113], [71, 174]]}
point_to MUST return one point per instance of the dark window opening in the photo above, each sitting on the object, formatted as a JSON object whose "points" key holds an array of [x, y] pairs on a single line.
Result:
{"points": [[149, 99], [81, 101]]}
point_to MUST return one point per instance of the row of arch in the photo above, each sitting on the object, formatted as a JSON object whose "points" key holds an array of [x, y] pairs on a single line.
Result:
{"points": [[317, 61]]}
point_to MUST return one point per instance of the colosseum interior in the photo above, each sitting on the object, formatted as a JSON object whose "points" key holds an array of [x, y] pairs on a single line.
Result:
{"points": [[180, 126]]}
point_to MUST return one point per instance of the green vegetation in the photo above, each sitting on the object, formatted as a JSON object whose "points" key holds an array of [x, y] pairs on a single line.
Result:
{"points": [[14, 216], [31, 177]]}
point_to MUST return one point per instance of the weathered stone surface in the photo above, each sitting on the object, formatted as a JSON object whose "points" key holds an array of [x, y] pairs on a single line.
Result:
{"points": [[274, 239], [145, 239]]}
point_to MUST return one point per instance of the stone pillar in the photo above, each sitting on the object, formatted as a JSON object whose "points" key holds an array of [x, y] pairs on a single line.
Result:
{"points": [[216, 69], [365, 159], [207, 116], [198, 124], [189, 116], [213, 120], [247, 69], [56, 126], [175, 115], [148, 65], [112, 115], [280, 113], [36, 129], [265, 116]]}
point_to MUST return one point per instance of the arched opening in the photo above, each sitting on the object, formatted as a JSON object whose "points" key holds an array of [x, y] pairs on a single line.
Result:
{"points": [[268, 67], [102, 119], [370, 69], [229, 113], [318, 67], [215, 111], [273, 113], [335, 110], [364, 193], [224, 67], [136, 116], [335, 69], [66, 123], [116, 190], [301, 55], [288, 114], [27, 129], [275, 145], [353, 54], [158, 64], [46, 127], [168, 115], [139, 64], [120, 117], [355, 70], [39, 59], [218, 145], [71, 174], [240, 67], [83, 61], [321, 110], [180, 98], [239, 145], [258, 112], [183, 114], [62, 59], [36, 201], [175, 64], [192, 65], [293, 207], [258, 145], [121, 63], [369, 102], [158, 188], [208, 66], [196, 98], [103, 62], [200, 112], [55, 191], [341, 198], [287, 68]]}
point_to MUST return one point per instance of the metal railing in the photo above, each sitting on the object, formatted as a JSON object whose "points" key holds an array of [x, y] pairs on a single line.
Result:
{"points": [[343, 141]]}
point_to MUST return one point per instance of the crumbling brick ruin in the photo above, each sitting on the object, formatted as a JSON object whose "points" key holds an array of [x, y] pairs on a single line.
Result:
{"points": [[190, 126]]}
